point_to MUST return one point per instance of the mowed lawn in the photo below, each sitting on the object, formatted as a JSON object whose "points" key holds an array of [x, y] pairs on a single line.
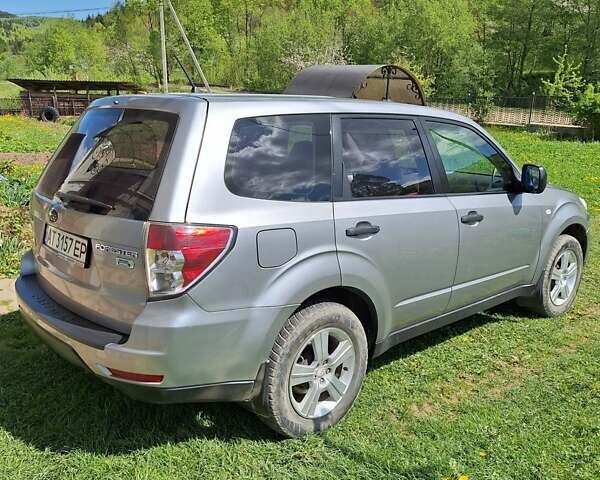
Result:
{"points": [[500, 395]]}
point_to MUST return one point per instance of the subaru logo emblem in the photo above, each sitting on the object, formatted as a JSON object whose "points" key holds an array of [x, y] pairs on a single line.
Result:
{"points": [[53, 215]]}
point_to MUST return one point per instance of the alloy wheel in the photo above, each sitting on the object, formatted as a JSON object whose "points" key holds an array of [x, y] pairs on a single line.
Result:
{"points": [[322, 372], [563, 277]]}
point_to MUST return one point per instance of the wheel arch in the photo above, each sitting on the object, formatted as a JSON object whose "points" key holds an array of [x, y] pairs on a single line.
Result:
{"points": [[578, 231], [566, 219], [357, 301]]}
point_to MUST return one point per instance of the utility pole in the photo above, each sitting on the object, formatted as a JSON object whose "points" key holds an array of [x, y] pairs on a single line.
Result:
{"points": [[163, 45], [187, 44]]}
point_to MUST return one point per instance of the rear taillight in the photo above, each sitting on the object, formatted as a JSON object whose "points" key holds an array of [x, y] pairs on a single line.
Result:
{"points": [[177, 255]]}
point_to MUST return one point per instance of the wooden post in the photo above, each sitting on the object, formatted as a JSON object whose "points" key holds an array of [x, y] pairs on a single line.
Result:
{"points": [[30, 105], [54, 99], [531, 105], [163, 46]]}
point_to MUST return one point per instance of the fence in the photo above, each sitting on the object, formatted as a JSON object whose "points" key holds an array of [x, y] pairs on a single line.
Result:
{"points": [[532, 110], [10, 105]]}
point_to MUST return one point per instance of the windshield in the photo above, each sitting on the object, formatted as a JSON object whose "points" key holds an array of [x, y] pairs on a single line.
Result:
{"points": [[111, 162]]}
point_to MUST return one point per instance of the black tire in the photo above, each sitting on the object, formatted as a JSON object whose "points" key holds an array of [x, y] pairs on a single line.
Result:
{"points": [[541, 302], [276, 407], [49, 114]]}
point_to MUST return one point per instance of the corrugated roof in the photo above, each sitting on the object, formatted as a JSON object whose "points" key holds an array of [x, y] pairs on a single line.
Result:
{"points": [[36, 85]]}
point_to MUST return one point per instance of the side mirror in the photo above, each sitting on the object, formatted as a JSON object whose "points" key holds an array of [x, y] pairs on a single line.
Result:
{"points": [[533, 178]]}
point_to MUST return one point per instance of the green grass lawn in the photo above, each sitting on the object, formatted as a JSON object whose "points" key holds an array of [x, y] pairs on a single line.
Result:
{"points": [[9, 89], [25, 135], [500, 395]]}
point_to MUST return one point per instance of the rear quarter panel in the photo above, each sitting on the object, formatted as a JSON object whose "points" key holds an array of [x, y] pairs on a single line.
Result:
{"points": [[239, 281]]}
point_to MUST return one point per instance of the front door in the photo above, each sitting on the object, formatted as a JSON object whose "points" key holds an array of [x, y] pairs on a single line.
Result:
{"points": [[500, 227], [397, 239]]}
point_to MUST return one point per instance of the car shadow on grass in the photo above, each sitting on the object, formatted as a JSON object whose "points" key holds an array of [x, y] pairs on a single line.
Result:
{"points": [[53, 405], [503, 312]]}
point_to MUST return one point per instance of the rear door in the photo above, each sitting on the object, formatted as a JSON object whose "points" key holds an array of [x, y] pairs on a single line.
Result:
{"points": [[90, 209], [397, 238], [500, 227]]}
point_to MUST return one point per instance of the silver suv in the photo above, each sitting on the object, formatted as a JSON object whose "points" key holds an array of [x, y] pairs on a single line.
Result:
{"points": [[261, 249]]}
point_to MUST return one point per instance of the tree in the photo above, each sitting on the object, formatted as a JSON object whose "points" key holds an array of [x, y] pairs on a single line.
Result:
{"points": [[517, 39], [132, 41], [587, 109], [65, 48], [567, 83], [456, 47]]}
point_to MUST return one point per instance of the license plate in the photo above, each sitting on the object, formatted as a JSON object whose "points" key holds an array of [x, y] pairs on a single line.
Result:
{"points": [[66, 244]]}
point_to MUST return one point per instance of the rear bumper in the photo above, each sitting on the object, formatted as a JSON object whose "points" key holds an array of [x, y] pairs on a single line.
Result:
{"points": [[203, 356], [34, 303]]}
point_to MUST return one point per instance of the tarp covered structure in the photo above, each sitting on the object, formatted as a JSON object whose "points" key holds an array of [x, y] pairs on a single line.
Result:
{"points": [[367, 82]]}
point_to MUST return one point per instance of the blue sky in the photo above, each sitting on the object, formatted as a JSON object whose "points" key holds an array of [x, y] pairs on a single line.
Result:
{"points": [[37, 6]]}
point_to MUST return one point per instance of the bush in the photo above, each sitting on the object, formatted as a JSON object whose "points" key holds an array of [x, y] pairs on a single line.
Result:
{"points": [[17, 184], [587, 109], [15, 230], [481, 106], [11, 250]]}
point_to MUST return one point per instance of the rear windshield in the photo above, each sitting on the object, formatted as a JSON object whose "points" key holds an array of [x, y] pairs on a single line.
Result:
{"points": [[111, 162]]}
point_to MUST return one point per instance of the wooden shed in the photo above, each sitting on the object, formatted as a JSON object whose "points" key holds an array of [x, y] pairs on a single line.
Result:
{"points": [[46, 99]]}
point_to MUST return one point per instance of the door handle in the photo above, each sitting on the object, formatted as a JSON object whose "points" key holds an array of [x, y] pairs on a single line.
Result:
{"points": [[471, 218], [362, 228]]}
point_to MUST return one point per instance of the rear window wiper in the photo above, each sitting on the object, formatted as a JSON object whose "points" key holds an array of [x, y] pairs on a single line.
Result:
{"points": [[68, 196]]}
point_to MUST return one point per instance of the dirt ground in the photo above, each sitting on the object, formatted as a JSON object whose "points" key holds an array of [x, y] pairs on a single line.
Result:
{"points": [[8, 301], [26, 158]]}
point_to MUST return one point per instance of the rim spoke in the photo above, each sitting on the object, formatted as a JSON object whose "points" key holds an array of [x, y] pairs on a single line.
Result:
{"points": [[341, 354], [555, 275], [554, 293], [564, 292], [302, 374], [320, 345], [572, 269], [565, 261], [310, 401], [336, 388]]}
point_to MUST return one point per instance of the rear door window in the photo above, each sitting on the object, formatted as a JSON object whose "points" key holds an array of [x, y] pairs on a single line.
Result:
{"points": [[111, 162], [283, 157], [383, 157]]}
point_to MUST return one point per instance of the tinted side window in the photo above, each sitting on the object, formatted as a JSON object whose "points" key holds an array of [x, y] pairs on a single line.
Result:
{"points": [[283, 157], [383, 158], [471, 163]]}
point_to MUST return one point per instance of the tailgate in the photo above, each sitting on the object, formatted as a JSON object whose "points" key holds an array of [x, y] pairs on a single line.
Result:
{"points": [[92, 204]]}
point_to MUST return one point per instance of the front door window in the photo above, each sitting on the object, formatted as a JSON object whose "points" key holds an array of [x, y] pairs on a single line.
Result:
{"points": [[472, 164]]}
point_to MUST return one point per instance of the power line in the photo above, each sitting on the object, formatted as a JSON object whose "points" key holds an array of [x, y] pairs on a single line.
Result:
{"points": [[65, 11]]}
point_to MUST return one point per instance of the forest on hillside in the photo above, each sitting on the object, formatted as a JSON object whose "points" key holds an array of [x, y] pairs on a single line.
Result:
{"points": [[455, 47]]}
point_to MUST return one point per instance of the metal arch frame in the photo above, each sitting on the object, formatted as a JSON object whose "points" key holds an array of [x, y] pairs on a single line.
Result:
{"points": [[346, 81]]}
